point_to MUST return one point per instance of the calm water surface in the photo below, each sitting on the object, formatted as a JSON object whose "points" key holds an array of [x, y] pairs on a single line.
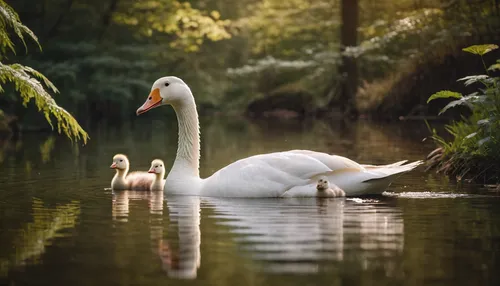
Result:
{"points": [[58, 226]]}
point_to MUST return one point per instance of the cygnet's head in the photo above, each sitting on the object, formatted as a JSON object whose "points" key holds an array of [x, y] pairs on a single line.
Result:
{"points": [[120, 162], [157, 167], [167, 90], [322, 183]]}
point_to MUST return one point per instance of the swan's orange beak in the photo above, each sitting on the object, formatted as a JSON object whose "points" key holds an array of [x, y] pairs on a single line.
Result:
{"points": [[154, 100], [113, 166]]}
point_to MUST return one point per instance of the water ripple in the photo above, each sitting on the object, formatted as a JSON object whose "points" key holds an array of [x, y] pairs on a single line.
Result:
{"points": [[428, 195]]}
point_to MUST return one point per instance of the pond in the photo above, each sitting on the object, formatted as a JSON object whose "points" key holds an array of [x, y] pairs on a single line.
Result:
{"points": [[59, 226]]}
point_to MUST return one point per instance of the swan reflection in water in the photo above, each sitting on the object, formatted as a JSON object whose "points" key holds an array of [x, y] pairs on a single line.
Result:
{"points": [[281, 235], [185, 213], [295, 235]]}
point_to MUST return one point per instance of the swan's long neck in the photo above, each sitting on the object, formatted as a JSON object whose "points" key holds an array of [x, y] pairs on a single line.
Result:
{"points": [[187, 160]]}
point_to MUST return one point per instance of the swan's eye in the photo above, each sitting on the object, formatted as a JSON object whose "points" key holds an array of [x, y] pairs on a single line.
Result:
{"points": [[150, 98], [167, 84]]}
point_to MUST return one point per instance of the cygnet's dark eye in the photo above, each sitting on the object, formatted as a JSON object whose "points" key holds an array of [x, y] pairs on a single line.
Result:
{"points": [[160, 165], [121, 160], [167, 84]]}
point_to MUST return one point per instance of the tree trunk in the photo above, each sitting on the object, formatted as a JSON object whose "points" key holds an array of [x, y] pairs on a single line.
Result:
{"points": [[348, 69], [106, 18], [54, 29]]}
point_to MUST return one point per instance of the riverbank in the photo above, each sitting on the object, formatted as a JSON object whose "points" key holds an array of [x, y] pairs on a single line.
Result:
{"points": [[472, 152]]}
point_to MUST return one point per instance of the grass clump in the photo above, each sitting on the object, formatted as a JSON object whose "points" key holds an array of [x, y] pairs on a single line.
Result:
{"points": [[472, 153]]}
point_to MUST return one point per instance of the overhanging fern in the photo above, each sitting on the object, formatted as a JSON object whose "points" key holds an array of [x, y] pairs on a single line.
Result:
{"points": [[28, 82]]}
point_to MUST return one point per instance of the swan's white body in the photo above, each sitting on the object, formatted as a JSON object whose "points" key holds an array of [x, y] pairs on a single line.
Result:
{"points": [[282, 174]]}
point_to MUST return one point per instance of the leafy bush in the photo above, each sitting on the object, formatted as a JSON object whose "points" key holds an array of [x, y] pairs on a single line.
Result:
{"points": [[476, 139]]}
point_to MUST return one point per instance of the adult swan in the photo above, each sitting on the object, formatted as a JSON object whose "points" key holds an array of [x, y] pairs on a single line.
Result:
{"points": [[282, 174]]}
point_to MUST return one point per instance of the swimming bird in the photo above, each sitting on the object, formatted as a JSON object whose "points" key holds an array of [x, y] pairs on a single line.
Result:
{"points": [[327, 190], [158, 169], [123, 180], [280, 174]]}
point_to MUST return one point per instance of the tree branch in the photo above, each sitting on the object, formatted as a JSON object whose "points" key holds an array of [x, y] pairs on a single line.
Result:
{"points": [[53, 31]]}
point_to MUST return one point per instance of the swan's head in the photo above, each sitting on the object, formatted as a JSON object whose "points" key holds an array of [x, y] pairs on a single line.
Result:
{"points": [[166, 90], [120, 162], [157, 167], [322, 184]]}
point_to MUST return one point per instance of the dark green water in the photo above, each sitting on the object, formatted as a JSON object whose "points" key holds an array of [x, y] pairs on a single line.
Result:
{"points": [[58, 226]]}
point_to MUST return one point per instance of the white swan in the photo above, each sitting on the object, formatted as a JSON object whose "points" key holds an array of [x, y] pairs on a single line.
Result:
{"points": [[290, 173], [327, 190]]}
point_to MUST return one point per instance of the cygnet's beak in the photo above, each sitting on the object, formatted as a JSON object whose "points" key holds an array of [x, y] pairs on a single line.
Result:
{"points": [[151, 170], [154, 100], [113, 166]]}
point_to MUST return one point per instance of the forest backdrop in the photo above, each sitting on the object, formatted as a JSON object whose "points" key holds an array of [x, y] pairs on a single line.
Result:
{"points": [[252, 56]]}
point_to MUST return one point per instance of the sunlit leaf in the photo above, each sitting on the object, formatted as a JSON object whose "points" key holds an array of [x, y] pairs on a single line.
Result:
{"points": [[480, 49], [444, 94], [468, 80], [484, 140], [470, 135], [215, 15], [9, 18], [463, 101], [26, 80], [30, 88], [483, 122], [494, 67]]}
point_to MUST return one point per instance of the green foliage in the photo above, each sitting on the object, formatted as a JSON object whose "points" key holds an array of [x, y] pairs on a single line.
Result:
{"points": [[392, 35], [26, 80], [476, 139], [104, 55], [26, 83], [480, 49], [444, 94], [468, 100], [10, 20], [190, 25], [494, 67]]}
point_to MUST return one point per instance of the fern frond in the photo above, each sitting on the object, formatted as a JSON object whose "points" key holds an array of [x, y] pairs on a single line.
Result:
{"points": [[26, 83], [9, 18]]}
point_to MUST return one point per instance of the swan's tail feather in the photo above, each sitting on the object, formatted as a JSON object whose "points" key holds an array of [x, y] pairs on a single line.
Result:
{"points": [[386, 171], [389, 165]]}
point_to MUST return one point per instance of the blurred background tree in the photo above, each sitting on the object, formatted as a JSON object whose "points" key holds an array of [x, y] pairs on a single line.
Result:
{"points": [[304, 56]]}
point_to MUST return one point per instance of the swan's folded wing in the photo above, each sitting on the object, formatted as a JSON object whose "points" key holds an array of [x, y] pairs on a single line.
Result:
{"points": [[264, 175], [333, 162]]}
